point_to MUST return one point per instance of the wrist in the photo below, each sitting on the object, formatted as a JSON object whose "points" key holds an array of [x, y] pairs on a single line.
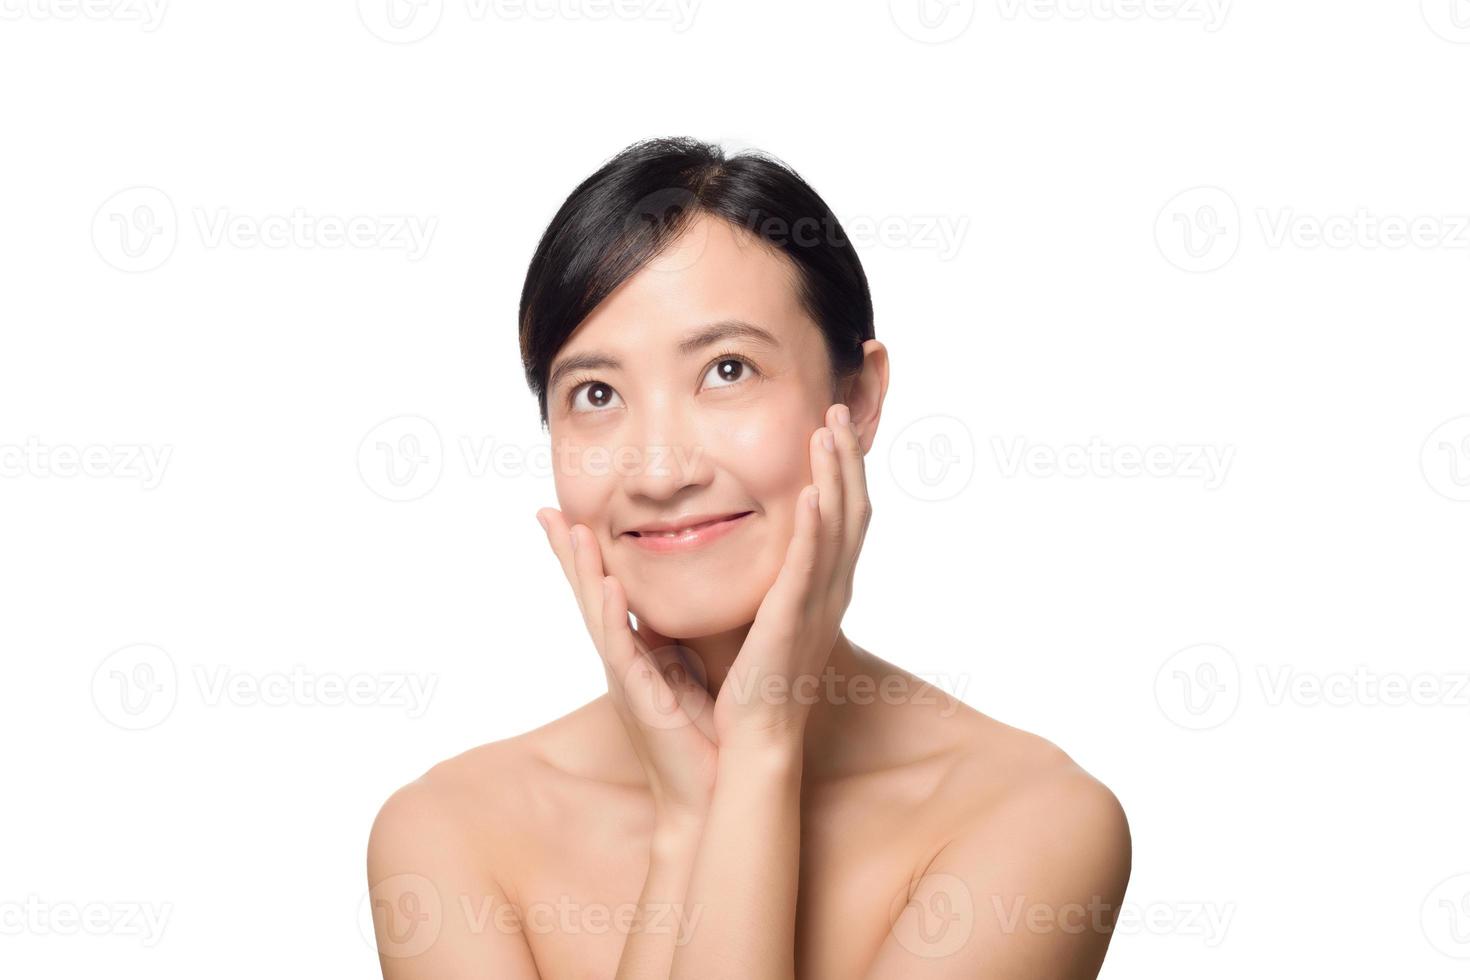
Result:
{"points": [[774, 749], [677, 831]]}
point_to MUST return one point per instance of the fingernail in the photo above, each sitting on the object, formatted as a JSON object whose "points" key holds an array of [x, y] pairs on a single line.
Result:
{"points": [[574, 539], [606, 589], [842, 417], [542, 521], [811, 498], [827, 438]]}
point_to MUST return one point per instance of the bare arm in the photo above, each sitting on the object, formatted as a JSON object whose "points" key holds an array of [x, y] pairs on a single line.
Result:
{"points": [[434, 915], [1032, 891], [664, 916], [745, 873]]}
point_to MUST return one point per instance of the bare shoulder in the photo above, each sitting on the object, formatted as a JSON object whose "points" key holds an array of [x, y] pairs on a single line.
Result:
{"points": [[475, 809], [1034, 859], [1026, 771], [445, 853], [436, 821], [1013, 784]]}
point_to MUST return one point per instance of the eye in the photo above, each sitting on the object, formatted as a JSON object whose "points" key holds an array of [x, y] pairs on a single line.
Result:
{"points": [[729, 370], [599, 396]]}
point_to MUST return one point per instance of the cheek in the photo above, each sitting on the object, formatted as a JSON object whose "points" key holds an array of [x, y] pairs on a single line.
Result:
{"points": [[770, 457], [582, 491]]}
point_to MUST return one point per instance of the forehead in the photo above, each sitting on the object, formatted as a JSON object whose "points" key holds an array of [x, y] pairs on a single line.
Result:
{"points": [[714, 271]]}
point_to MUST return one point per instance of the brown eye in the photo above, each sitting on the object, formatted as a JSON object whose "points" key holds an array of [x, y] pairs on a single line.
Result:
{"points": [[728, 371], [598, 396]]}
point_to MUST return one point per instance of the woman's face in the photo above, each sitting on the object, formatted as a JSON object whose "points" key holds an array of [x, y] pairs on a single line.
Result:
{"points": [[673, 425]]}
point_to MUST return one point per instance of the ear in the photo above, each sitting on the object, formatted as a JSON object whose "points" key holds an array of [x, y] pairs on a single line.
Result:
{"points": [[863, 393]]}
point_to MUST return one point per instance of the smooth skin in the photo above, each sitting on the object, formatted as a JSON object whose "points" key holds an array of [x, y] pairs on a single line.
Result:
{"points": [[699, 820]]}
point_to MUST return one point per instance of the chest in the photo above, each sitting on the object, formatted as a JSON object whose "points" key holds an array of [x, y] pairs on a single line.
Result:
{"points": [[857, 860]]}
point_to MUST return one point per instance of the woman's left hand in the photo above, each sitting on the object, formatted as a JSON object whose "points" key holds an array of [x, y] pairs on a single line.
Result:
{"points": [[797, 623]]}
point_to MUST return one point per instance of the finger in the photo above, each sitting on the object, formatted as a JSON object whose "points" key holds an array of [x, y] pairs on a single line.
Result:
{"points": [[857, 505], [655, 698], [684, 673], [683, 670], [827, 475], [587, 560], [794, 584], [574, 566], [618, 648], [559, 539]]}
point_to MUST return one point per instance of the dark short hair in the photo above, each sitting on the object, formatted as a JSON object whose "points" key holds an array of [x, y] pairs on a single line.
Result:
{"points": [[638, 202]]}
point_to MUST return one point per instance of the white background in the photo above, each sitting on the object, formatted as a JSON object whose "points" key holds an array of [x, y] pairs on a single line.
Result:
{"points": [[1084, 225]]}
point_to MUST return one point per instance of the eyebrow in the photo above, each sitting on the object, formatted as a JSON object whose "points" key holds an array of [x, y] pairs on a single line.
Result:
{"points": [[695, 341]]}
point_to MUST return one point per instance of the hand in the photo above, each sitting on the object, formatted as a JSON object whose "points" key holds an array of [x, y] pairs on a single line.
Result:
{"points": [[664, 707], [797, 622]]}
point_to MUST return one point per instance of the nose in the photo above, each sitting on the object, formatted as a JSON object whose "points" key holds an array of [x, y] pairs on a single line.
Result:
{"points": [[671, 452]]}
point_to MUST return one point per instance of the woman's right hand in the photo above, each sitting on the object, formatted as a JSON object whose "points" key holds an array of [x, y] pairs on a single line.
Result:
{"points": [[663, 705]]}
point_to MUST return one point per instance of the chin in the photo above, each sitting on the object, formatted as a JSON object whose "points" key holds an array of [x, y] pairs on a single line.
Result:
{"points": [[682, 610], [680, 621]]}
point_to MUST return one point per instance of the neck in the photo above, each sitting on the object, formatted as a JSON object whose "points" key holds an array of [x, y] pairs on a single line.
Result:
{"points": [[829, 708]]}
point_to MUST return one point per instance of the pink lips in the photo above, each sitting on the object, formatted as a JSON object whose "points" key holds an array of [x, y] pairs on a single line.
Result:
{"points": [[688, 538]]}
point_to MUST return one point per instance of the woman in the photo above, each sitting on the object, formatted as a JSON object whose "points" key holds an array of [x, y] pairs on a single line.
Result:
{"points": [[756, 796]]}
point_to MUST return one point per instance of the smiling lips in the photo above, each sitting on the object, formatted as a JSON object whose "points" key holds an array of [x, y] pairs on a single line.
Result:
{"points": [[697, 531]]}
